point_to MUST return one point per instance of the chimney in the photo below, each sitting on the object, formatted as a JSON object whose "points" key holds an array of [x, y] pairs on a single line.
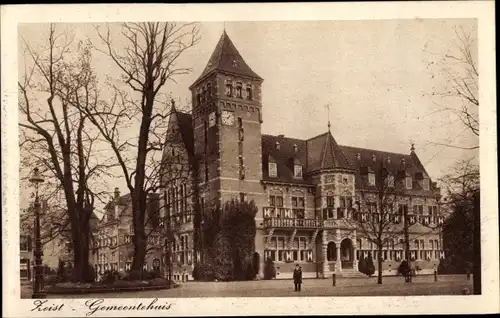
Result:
{"points": [[117, 193]]}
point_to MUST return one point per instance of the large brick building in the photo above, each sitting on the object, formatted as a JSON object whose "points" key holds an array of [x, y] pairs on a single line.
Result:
{"points": [[309, 192], [113, 246]]}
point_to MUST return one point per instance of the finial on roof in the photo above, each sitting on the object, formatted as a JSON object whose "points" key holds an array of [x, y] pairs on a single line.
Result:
{"points": [[328, 110], [173, 103], [412, 149]]}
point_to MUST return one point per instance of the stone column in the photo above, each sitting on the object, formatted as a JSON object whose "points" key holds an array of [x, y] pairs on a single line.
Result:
{"points": [[338, 263], [326, 269], [355, 258]]}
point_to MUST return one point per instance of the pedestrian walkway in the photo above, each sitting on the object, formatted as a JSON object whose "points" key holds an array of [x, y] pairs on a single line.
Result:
{"points": [[392, 286]]}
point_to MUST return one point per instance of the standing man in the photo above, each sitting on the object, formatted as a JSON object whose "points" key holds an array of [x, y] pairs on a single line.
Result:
{"points": [[297, 277]]}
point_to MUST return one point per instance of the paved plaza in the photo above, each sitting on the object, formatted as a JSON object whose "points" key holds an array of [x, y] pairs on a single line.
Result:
{"points": [[392, 286]]}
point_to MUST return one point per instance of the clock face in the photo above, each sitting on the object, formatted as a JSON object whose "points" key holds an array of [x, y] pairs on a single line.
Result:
{"points": [[211, 120], [227, 117]]}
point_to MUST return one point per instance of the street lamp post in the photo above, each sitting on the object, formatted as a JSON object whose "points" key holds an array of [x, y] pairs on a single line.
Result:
{"points": [[38, 290]]}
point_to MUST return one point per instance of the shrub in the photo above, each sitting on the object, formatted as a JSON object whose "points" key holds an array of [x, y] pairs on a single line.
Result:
{"points": [[256, 263], [207, 272], [149, 275], [403, 268], [370, 267], [61, 270], [269, 270], [250, 272], [362, 264], [110, 276], [196, 272]]}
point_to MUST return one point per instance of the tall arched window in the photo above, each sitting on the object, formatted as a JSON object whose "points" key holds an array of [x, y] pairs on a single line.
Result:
{"points": [[331, 252], [229, 89], [239, 88], [249, 92]]}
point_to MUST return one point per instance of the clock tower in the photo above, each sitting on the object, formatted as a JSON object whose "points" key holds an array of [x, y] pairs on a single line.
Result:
{"points": [[227, 118]]}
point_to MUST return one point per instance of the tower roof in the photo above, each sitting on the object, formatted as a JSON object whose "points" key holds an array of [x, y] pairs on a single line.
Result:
{"points": [[226, 58]]}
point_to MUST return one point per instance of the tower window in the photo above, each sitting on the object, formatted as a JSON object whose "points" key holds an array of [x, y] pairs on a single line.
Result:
{"points": [[239, 93], [249, 92], [297, 171], [229, 89], [273, 169]]}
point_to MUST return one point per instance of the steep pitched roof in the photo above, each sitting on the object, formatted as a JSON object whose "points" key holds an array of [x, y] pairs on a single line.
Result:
{"points": [[226, 58], [186, 128], [395, 163], [324, 153], [284, 157]]}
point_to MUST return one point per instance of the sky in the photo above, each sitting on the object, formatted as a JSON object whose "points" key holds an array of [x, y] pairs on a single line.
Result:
{"points": [[375, 75]]}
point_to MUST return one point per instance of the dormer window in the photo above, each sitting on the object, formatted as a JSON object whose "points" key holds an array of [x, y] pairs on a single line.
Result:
{"points": [[249, 92], [277, 145], [297, 171], [273, 169], [371, 179], [229, 89], [425, 184], [295, 148], [409, 182], [239, 92]]}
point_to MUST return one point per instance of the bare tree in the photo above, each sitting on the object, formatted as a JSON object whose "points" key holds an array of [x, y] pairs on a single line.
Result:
{"points": [[57, 81], [147, 61], [375, 219], [458, 69]]}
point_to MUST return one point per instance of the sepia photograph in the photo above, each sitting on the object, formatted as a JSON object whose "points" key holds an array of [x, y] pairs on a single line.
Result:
{"points": [[270, 158]]}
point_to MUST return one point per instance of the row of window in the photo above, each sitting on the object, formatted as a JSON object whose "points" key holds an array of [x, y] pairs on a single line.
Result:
{"points": [[177, 204], [396, 255], [238, 91], [391, 244], [273, 170], [389, 181], [182, 244], [101, 268], [281, 242], [289, 255]]}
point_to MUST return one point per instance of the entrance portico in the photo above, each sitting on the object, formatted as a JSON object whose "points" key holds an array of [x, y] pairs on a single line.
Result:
{"points": [[339, 252]]}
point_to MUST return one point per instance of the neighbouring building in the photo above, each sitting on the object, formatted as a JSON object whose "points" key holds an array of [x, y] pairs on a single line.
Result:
{"points": [[113, 246], [310, 193], [55, 243]]}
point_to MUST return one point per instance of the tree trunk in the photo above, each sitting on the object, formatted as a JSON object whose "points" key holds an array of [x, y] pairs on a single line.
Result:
{"points": [[379, 261], [140, 239]]}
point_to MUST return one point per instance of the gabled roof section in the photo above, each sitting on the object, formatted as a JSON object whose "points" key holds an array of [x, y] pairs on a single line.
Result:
{"points": [[397, 164], [324, 153], [186, 128], [226, 58], [181, 130]]}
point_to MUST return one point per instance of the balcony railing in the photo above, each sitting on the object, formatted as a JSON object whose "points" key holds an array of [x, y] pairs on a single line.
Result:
{"points": [[293, 223]]}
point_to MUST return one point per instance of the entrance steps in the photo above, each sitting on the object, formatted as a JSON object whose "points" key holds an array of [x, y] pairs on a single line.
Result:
{"points": [[351, 273]]}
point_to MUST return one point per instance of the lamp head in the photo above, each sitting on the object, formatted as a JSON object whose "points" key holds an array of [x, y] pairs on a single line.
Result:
{"points": [[36, 177]]}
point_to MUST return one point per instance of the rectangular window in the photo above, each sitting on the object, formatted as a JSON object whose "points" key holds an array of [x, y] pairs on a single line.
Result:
{"points": [[249, 92], [281, 243], [297, 171], [273, 169], [426, 184], [302, 243], [371, 179], [330, 201], [390, 181], [409, 183]]}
